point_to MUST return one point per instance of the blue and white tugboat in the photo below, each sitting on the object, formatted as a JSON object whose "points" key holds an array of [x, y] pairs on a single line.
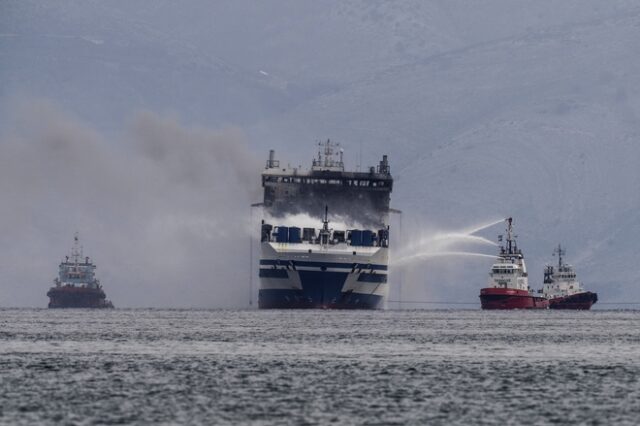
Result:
{"points": [[562, 288], [322, 266]]}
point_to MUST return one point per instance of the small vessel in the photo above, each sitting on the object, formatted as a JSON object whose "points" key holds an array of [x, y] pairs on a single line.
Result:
{"points": [[563, 289], [76, 285], [508, 286]]}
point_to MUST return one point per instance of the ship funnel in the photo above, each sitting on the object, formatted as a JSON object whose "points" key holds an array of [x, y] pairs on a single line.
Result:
{"points": [[383, 167], [272, 162]]}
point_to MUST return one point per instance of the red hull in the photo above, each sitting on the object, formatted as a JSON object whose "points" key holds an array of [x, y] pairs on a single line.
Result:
{"points": [[510, 298], [580, 301]]}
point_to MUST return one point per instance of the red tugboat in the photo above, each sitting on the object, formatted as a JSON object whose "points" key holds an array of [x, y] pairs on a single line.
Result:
{"points": [[562, 288], [76, 285], [508, 280]]}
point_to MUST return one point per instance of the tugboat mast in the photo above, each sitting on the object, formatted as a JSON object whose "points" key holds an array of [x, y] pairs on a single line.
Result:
{"points": [[76, 250], [559, 252], [512, 246]]}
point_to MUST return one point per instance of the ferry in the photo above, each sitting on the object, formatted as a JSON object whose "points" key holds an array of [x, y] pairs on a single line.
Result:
{"points": [[340, 259]]}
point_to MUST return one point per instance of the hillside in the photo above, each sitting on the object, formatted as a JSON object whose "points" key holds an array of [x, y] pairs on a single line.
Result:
{"points": [[501, 109]]}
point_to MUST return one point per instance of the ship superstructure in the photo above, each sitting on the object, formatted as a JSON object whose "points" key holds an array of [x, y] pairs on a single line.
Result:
{"points": [[318, 265], [76, 285], [562, 287], [508, 286]]}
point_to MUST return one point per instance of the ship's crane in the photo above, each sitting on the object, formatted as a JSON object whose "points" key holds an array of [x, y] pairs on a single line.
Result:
{"points": [[325, 232]]}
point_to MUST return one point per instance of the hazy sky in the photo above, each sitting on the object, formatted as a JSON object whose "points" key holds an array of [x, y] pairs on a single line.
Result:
{"points": [[144, 125]]}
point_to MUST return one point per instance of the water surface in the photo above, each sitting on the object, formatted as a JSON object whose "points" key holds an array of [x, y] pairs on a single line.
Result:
{"points": [[319, 367]]}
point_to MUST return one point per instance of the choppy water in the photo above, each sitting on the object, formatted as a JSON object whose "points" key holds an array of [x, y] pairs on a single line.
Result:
{"points": [[318, 367]]}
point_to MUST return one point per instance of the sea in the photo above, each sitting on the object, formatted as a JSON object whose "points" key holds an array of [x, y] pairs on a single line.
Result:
{"points": [[317, 367]]}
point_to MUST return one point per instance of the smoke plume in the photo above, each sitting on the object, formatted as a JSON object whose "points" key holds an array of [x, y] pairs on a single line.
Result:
{"points": [[163, 210]]}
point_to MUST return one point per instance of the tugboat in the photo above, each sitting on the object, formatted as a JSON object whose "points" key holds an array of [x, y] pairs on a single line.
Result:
{"points": [[508, 286], [562, 288], [76, 285]]}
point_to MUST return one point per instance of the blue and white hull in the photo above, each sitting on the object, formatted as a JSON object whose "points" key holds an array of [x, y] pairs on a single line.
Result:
{"points": [[340, 276]]}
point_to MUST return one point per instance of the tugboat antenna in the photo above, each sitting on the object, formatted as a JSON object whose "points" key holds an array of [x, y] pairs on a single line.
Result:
{"points": [[509, 235], [76, 252], [560, 252]]}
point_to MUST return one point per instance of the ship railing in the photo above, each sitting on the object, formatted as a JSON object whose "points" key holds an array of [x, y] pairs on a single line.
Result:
{"points": [[353, 237]]}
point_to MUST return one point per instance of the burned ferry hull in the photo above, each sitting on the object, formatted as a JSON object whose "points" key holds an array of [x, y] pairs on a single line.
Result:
{"points": [[320, 267]]}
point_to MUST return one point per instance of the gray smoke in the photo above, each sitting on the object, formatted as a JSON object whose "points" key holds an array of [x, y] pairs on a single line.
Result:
{"points": [[163, 210]]}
